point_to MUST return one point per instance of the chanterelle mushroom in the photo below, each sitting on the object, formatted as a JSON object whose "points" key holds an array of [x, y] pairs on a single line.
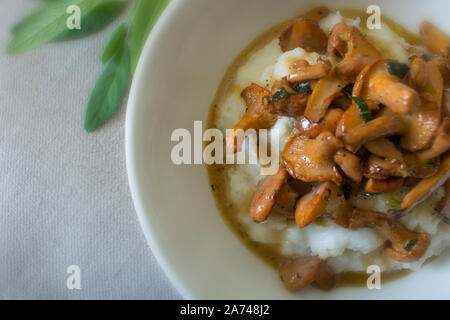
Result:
{"points": [[305, 34], [310, 160], [440, 145], [299, 272], [293, 105], [422, 125], [350, 164], [379, 168], [266, 196], [313, 204], [382, 186], [357, 52], [425, 187], [402, 244], [377, 84], [312, 130], [308, 72], [434, 39], [328, 88], [385, 149], [378, 128], [258, 115]]}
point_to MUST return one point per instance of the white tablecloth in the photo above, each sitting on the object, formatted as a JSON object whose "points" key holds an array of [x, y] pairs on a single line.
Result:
{"points": [[64, 196]]}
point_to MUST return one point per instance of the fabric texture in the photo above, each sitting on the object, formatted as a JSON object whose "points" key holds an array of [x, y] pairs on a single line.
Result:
{"points": [[64, 195]]}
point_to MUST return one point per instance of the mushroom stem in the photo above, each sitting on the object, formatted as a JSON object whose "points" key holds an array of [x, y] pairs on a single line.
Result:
{"points": [[313, 72], [350, 164], [402, 244], [266, 196], [378, 128], [382, 186], [440, 145], [391, 92], [425, 187], [299, 272], [323, 94], [313, 204]]}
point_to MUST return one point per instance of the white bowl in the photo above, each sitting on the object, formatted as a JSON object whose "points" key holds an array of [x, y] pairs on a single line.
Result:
{"points": [[178, 74]]}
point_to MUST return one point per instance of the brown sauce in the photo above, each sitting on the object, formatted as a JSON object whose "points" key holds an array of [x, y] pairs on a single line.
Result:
{"points": [[218, 173]]}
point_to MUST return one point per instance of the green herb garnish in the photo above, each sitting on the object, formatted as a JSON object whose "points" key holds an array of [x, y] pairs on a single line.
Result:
{"points": [[446, 220], [109, 90], [409, 245], [303, 87], [115, 43], [280, 95], [49, 24], [393, 203], [425, 57], [397, 69], [363, 108]]}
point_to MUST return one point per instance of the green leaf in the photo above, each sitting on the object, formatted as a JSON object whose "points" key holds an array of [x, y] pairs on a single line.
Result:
{"points": [[145, 15], [109, 90], [95, 20], [49, 23], [363, 108], [280, 95], [397, 69], [115, 42], [303, 87]]}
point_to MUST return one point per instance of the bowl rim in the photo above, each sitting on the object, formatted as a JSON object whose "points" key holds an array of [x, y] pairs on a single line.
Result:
{"points": [[136, 195]]}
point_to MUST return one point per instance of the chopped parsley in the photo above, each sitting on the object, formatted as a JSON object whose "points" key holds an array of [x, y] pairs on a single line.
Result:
{"points": [[397, 69], [303, 87], [363, 108], [280, 95], [409, 245]]}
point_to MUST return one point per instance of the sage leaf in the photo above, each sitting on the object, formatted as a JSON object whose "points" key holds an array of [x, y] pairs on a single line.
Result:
{"points": [[280, 95], [109, 90], [95, 20], [145, 15], [303, 87], [49, 23], [115, 42], [363, 108], [397, 69]]}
